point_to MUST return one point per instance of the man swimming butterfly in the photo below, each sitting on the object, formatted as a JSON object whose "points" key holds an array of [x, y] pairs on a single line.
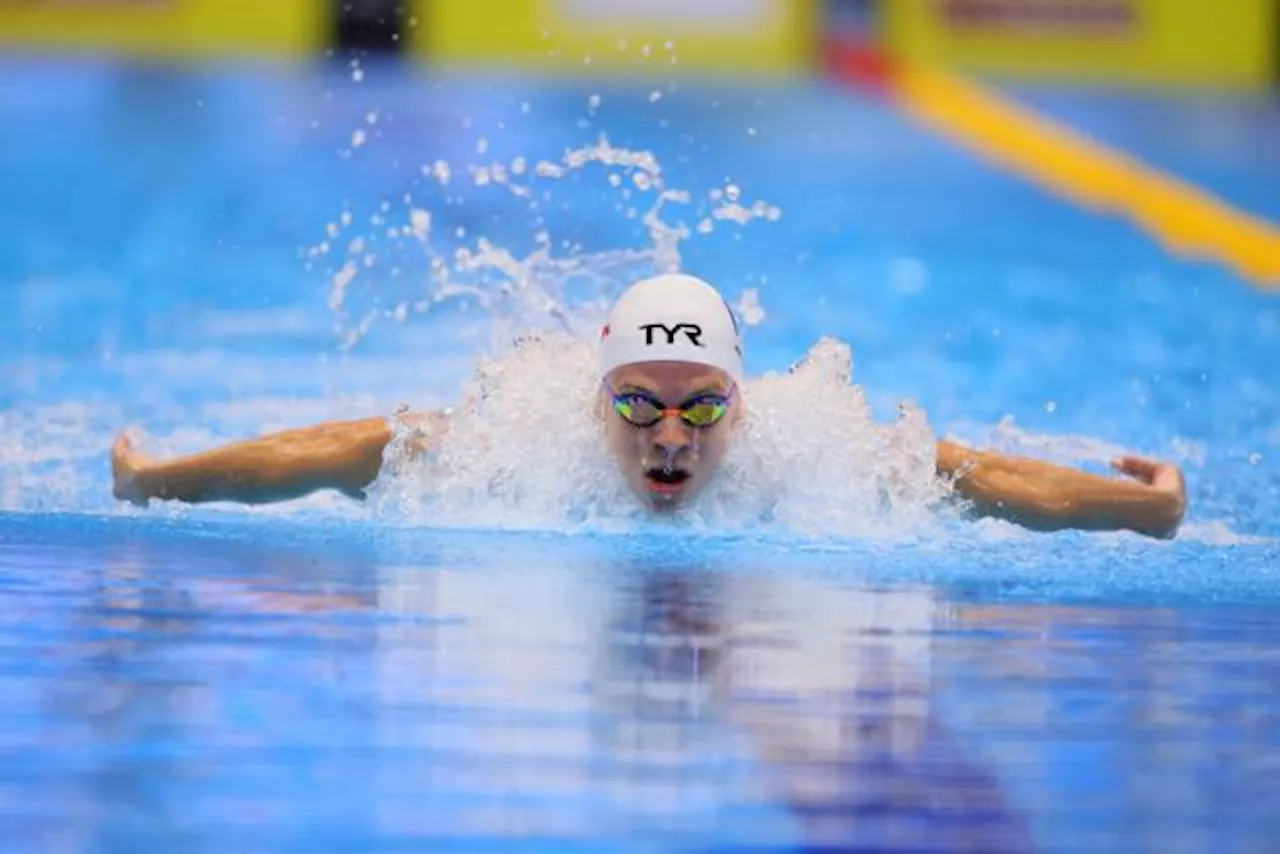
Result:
{"points": [[670, 363]]}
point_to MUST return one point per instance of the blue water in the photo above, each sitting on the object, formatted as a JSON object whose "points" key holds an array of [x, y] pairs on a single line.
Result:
{"points": [[312, 678]]}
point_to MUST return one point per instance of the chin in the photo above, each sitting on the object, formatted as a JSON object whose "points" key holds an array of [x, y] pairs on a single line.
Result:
{"points": [[665, 501]]}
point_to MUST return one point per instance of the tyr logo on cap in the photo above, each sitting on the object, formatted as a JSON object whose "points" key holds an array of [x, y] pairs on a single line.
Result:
{"points": [[691, 330]]}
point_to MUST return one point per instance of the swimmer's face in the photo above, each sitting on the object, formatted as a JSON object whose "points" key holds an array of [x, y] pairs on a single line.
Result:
{"points": [[672, 460]]}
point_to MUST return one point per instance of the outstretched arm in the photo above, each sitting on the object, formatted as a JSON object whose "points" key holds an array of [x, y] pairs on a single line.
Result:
{"points": [[1046, 496], [341, 455]]}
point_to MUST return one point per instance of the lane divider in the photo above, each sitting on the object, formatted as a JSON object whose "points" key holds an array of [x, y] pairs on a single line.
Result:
{"points": [[1186, 220]]}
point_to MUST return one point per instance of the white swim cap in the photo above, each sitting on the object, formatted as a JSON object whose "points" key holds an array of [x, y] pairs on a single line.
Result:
{"points": [[671, 318]]}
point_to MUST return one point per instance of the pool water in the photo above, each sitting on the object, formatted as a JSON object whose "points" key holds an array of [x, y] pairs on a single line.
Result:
{"points": [[325, 676]]}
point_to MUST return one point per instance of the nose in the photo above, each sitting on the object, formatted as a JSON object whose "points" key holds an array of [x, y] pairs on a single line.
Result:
{"points": [[670, 437]]}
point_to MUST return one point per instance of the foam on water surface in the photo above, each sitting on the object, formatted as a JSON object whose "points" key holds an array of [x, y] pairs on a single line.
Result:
{"points": [[524, 448]]}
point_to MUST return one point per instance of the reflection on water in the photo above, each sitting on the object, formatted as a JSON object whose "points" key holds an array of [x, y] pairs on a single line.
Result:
{"points": [[164, 690]]}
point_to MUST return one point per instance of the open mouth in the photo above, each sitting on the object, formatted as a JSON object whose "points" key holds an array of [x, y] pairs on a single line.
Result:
{"points": [[666, 479]]}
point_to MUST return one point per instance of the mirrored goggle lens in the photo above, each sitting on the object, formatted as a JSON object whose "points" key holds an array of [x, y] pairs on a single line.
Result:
{"points": [[704, 413], [643, 412], [638, 410]]}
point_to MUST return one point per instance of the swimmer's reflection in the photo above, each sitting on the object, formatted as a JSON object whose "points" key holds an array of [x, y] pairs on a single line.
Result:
{"points": [[615, 698], [831, 689]]}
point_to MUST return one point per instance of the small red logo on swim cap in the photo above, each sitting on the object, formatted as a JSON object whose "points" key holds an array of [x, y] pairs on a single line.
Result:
{"points": [[604, 331]]}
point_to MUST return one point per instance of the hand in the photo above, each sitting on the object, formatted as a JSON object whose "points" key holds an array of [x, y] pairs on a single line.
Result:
{"points": [[127, 465], [1163, 478]]}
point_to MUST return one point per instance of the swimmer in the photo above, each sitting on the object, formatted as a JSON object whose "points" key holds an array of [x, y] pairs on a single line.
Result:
{"points": [[670, 364]]}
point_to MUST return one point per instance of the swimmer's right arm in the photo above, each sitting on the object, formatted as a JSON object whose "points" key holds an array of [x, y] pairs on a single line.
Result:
{"points": [[342, 455]]}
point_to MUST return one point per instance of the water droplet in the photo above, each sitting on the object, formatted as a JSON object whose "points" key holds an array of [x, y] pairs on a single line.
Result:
{"points": [[749, 307], [420, 222]]}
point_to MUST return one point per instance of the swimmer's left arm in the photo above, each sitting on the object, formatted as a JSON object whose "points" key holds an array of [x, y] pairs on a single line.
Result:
{"points": [[1151, 500]]}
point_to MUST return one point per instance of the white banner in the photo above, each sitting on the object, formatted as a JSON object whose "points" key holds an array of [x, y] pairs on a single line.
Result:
{"points": [[748, 15]]}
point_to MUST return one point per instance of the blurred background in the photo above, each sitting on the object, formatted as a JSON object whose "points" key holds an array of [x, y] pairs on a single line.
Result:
{"points": [[1230, 45]]}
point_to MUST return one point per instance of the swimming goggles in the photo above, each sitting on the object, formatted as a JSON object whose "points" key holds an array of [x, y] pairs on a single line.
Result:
{"points": [[644, 410]]}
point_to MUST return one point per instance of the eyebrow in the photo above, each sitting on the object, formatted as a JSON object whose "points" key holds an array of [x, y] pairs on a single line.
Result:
{"points": [[715, 390], [629, 387], [705, 391]]}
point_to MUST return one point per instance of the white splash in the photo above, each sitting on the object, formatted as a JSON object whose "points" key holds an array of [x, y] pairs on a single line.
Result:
{"points": [[521, 450], [524, 445], [530, 291], [812, 458], [1008, 437], [524, 449], [748, 307], [1219, 533]]}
